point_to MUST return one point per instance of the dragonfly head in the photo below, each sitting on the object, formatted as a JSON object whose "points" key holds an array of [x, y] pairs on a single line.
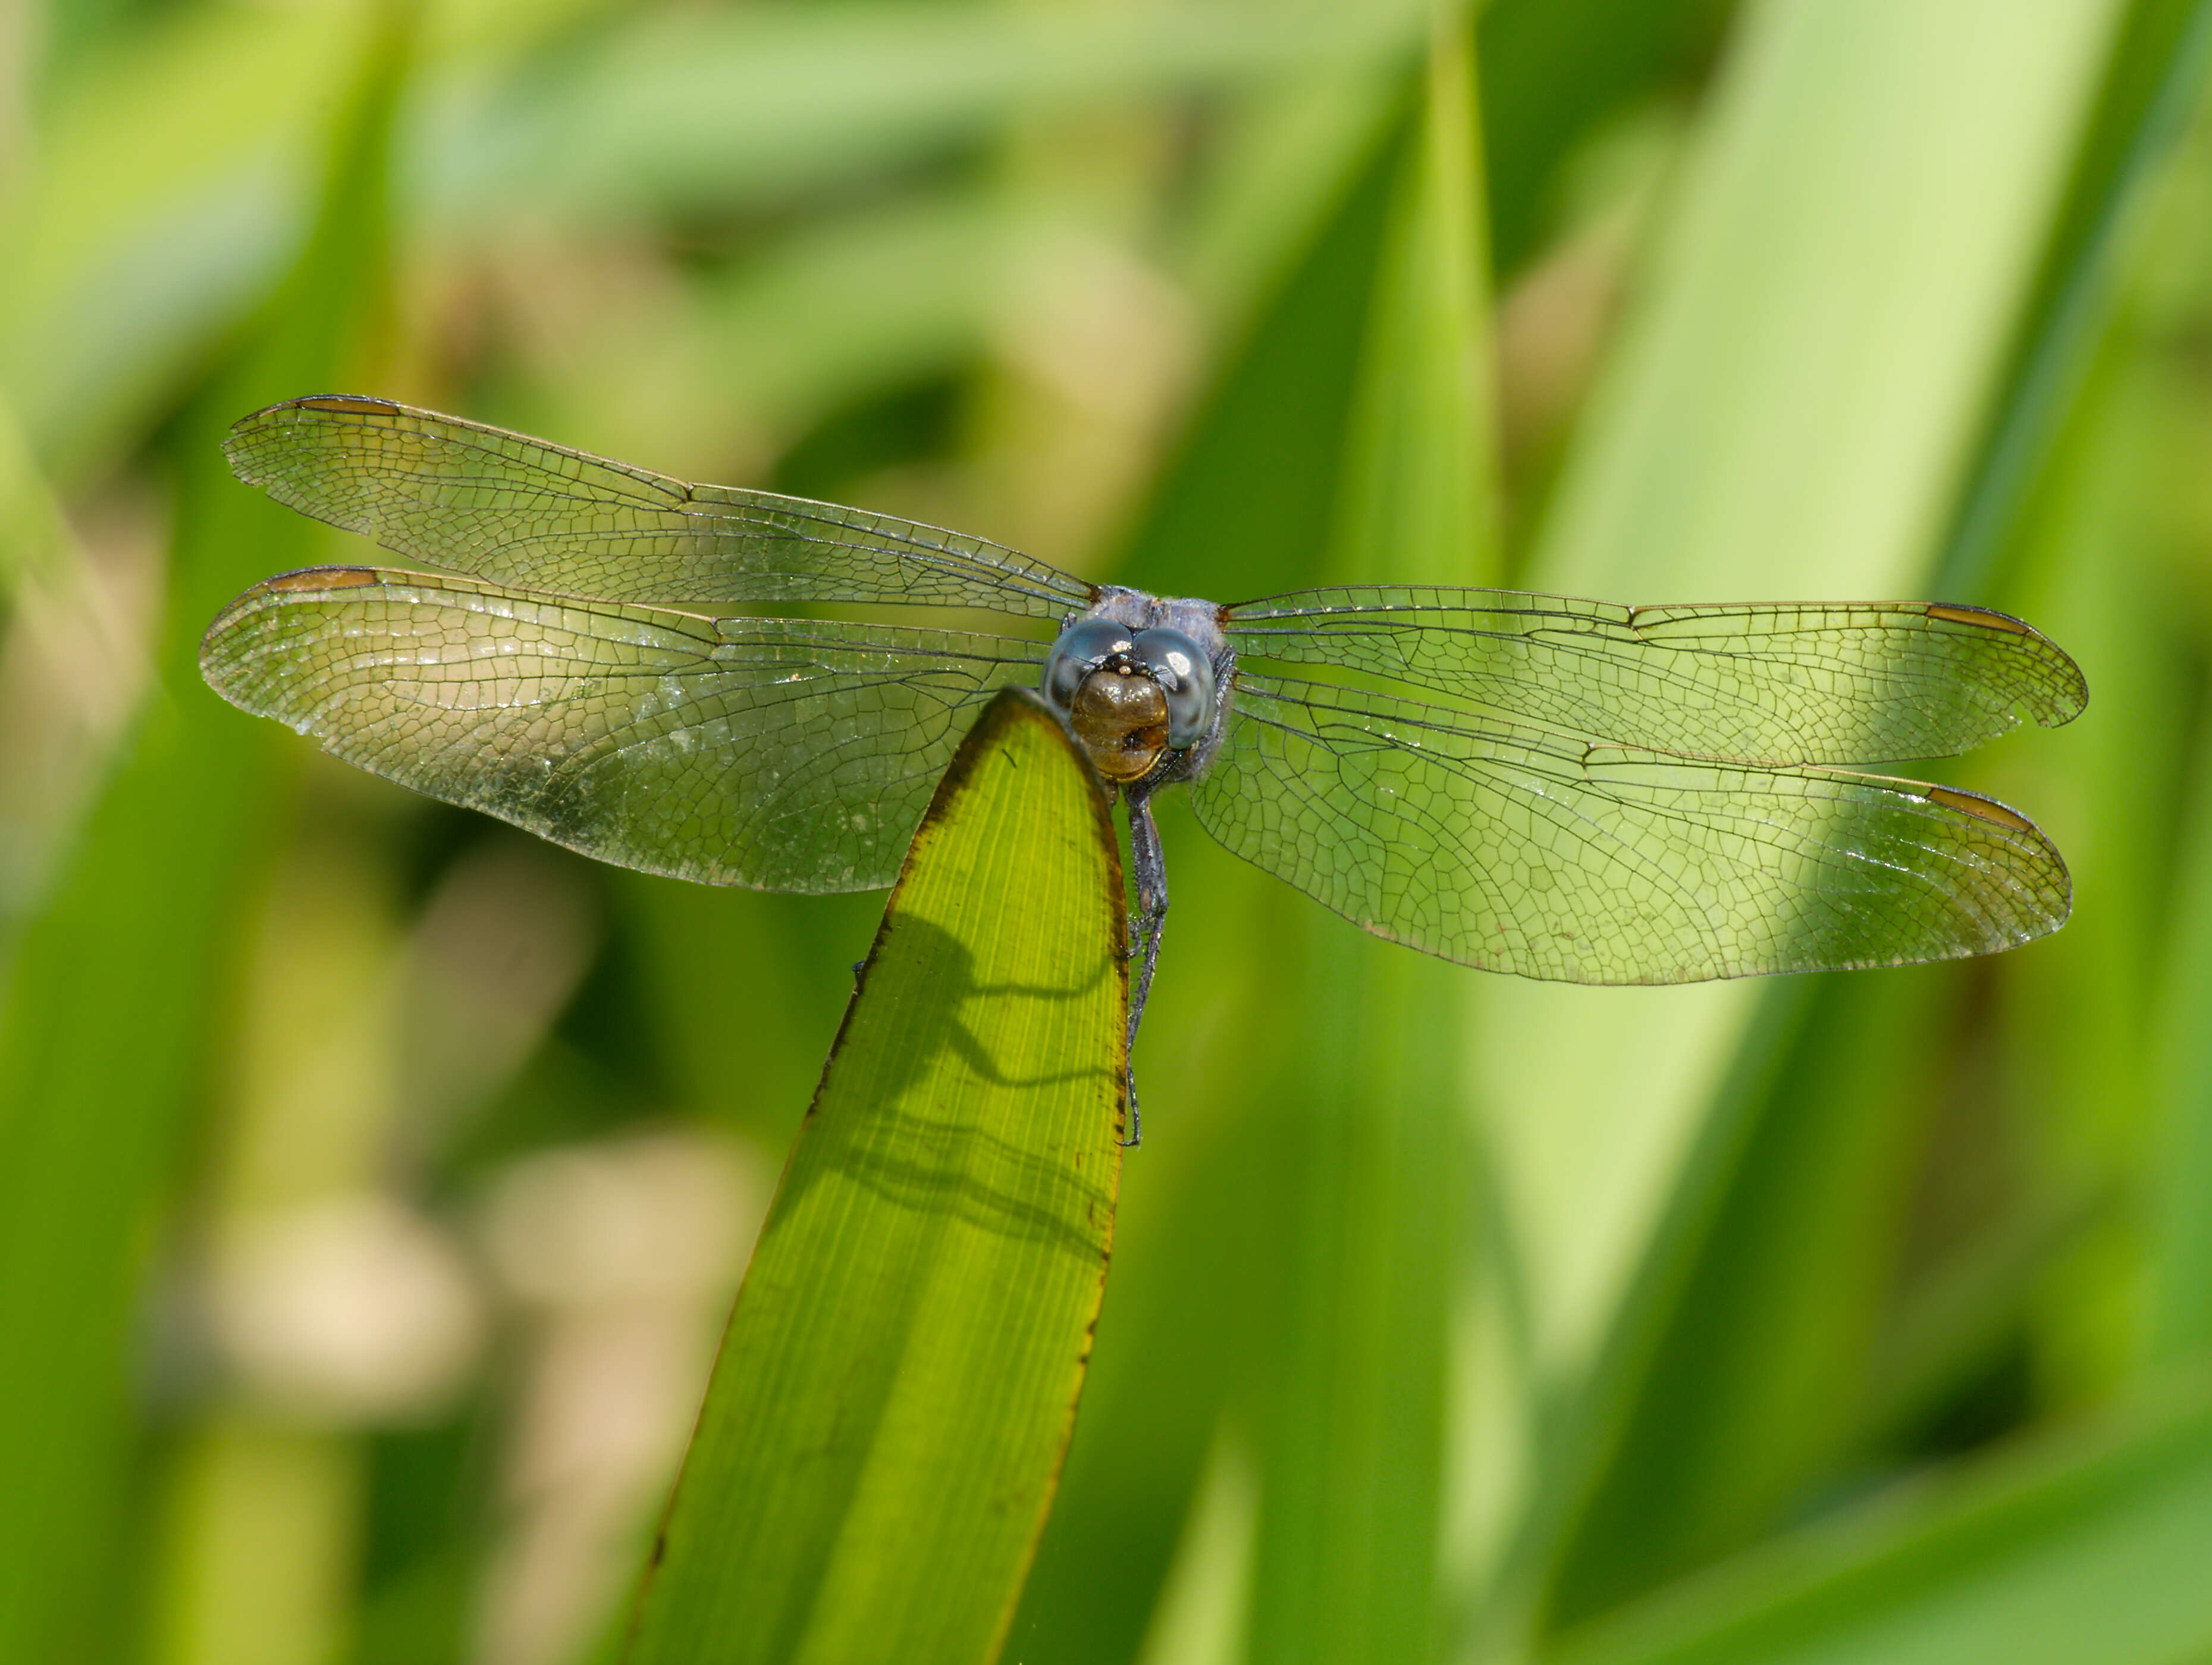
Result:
{"points": [[1130, 696]]}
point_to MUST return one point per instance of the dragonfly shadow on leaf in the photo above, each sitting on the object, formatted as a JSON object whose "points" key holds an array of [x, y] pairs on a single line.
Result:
{"points": [[931, 1131]]}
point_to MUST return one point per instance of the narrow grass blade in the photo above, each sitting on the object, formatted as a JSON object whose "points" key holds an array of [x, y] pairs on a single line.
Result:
{"points": [[1552, 72], [1244, 509], [2092, 1547], [2155, 81], [2181, 1317], [1767, 422], [1748, 1389], [1350, 1470], [885, 1426], [114, 983]]}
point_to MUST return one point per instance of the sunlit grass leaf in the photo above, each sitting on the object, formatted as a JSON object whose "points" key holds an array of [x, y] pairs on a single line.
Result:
{"points": [[2092, 1547], [1745, 1405], [1768, 429], [2073, 1030], [896, 1389], [1752, 1385], [1763, 432]]}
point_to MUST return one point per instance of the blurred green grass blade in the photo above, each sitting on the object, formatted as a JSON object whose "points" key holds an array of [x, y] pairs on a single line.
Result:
{"points": [[1243, 508], [2091, 1547], [1351, 1464], [1831, 298], [692, 109], [1745, 1396], [2077, 1032], [114, 983], [2181, 1292], [1958, 1327], [1789, 412], [1285, 156], [1417, 503], [2179, 1028], [1713, 1445], [1576, 1425], [1552, 72], [885, 1424], [176, 176], [2155, 79]]}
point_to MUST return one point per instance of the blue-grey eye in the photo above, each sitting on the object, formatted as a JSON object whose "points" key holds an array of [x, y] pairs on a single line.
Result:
{"points": [[1186, 675], [1080, 650]]}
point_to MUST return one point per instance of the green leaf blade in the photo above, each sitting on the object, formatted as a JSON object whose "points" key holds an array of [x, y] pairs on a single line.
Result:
{"points": [[2086, 1545], [895, 1396]]}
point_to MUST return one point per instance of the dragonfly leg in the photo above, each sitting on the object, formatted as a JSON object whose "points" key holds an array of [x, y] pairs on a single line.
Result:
{"points": [[1145, 928]]}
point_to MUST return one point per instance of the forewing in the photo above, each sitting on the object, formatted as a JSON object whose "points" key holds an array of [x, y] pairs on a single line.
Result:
{"points": [[518, 511], [1851, 682], [1503, 846], [786, 755]]}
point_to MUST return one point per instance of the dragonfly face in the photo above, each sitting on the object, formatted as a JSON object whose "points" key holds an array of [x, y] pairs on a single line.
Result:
{"points": [[1141, 697], [1563, 789]]}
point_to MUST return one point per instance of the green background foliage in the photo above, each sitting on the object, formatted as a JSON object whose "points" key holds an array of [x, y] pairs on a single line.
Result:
{"points": [[375, 1181]]}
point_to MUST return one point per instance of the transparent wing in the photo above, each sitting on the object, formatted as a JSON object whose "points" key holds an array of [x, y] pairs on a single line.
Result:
{"points": [[517, 511], [1790, 684], [787, 755], [1503, 846]]}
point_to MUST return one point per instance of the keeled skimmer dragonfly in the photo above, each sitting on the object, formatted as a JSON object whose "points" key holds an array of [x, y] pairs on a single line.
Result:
{"points": [[1563, 789]]}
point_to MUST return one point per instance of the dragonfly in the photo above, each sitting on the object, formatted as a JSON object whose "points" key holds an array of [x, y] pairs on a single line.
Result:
{"points": [[642, 669]]}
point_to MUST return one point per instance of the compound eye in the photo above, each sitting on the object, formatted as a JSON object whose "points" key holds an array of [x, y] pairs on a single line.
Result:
{"points": [[1081, 649], [1185, 674]]}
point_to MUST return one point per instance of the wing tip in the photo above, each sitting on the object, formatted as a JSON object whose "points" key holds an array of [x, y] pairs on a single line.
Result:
{"points": [[2045, 897], [2056, 699], [2074, 694], [241, 444], [301, 581]]}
